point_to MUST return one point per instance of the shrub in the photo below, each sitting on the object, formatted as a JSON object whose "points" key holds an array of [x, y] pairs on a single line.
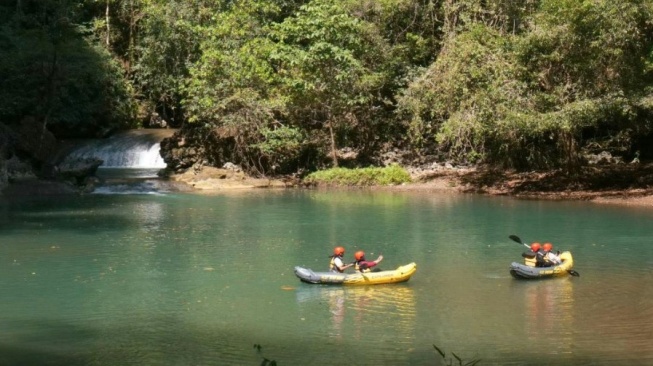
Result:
{"points": [[371, 176]]}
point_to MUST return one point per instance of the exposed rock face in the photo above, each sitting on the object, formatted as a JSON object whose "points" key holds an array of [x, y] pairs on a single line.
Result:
{"points": [[78, 170], [27, 163], [189, 147], [228, 178], [19, 170], [176, 155]]}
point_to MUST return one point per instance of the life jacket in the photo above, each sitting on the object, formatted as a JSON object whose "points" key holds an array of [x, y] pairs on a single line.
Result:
{"points": [[332, 264], [534, 259], [360, 268], [530, 258]]}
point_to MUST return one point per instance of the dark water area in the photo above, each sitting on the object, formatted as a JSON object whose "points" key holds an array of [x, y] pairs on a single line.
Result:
{"points": [[192, 279]]}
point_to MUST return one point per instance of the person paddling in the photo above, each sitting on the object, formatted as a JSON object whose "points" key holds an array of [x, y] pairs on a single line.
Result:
{"points": [[336, 263], [361, 265], [550, 258], [534, 257]]}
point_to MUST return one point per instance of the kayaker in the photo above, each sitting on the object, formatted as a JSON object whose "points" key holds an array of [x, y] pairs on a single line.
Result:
{"points": [[361, 265], [533, 258], [550, 258], [336, 264]]}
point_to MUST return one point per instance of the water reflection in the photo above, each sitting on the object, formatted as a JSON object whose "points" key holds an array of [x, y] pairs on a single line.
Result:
{"points": [[189, 279], [358, 310], [337, 309], [550, 312]]}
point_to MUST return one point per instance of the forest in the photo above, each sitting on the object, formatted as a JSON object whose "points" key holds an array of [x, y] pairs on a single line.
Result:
{"points": [[292, 86]]}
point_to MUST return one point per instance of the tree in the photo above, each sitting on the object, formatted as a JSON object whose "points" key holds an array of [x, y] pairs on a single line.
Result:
{"points": [[585, 62], [325, 58], [230, 95], [52, 70], [569, 78]]}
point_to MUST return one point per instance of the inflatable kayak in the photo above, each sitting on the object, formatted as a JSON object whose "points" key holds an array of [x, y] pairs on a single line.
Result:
{"points": [[519, 270], [401, 274]]}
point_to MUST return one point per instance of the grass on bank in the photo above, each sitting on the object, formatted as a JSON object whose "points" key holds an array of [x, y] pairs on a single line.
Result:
{"points": [[372, 176]]}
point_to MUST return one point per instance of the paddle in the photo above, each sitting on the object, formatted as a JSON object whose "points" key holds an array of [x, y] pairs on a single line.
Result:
{"points": [[516, 238]]}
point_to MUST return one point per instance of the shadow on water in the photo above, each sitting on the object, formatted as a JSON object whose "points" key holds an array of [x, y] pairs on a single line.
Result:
{"points": [[98, 223], [94, 214], [43, 347], [14, 355], [158, 341], [165, 340]]}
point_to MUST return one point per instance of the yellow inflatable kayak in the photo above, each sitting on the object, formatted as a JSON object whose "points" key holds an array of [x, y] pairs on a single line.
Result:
{"points": [[519, 270], [401, 274]]}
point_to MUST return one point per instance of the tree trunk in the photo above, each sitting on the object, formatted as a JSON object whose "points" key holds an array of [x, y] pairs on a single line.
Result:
{"points": [[108, 39], [334, 155], [132, 21], [570, 151]]}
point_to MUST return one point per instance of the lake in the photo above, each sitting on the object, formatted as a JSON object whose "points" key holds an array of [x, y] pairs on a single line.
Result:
{"points": [[196, 279]]}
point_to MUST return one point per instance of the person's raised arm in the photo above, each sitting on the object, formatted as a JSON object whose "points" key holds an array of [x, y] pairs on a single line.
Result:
{"points": [[342, 266]]}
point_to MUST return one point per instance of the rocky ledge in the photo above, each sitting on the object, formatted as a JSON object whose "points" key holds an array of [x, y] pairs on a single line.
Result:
{"points": [[29, 163], [227, 178]]}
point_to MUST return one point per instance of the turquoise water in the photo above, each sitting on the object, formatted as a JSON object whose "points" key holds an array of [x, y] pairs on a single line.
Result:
{"points": [[191, 279]]}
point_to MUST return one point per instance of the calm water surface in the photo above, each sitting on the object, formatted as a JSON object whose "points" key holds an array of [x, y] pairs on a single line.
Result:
{"points": [[189, 279]]}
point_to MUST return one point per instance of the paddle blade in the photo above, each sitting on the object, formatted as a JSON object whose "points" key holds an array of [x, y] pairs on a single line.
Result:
{"points": [[516, 238], [573, 273], [439, 350]]}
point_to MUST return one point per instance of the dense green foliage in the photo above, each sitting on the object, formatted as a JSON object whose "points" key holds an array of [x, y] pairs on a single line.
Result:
{"points": [[52, 68], [283, 86], [371, 176], [573, 75]]}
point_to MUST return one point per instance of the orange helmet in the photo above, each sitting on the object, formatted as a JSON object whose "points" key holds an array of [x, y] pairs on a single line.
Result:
{"points": [[360, 255], [338, 250], [535, 247], [547, 247]]}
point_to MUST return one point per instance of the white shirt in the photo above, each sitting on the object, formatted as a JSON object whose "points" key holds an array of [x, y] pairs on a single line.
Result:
{"points": [[553, 258]]}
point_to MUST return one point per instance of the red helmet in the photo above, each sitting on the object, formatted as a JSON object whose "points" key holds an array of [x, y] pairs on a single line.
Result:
{"points": [[547, 247], [535, 247], [360, 255], [338, 250]]}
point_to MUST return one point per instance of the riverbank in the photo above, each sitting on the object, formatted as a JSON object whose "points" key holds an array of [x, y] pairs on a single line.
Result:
{"points": [[625, 184], [210, 179]]}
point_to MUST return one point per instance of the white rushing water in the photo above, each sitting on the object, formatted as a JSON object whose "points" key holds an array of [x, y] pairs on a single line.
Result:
{"points": [[139, 149], [131, 162]]}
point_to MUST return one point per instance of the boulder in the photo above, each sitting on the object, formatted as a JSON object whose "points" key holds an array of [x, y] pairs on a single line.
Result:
{"points": [[18, 170], [78, 170]]}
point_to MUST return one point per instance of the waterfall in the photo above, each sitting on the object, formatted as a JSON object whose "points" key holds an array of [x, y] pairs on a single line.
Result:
{"points": [[135, 149], [132, 160]]}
